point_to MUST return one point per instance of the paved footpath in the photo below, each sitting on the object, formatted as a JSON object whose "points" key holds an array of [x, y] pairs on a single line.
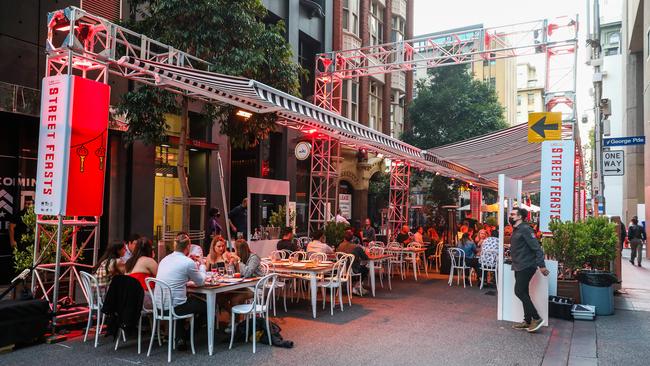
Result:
{"points": [[418, 323], [619, 339]]}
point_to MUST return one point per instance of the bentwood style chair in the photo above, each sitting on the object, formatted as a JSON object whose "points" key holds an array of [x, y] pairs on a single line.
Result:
{"points": [[92, 290]]}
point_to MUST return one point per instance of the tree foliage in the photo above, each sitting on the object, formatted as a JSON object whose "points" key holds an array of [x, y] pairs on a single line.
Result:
{"points": [[229, 34], [452, 106]]}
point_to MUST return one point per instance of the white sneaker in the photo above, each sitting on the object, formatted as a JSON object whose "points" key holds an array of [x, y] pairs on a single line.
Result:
{"points": [[227, 330], [356, 291]]}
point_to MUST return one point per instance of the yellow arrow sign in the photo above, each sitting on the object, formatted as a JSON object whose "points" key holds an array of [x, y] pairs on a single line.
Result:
{"points": [[544, 126]]}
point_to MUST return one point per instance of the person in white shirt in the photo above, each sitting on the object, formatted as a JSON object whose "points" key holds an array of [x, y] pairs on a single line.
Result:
{"points": [[418, 236], [177, 269], [129, 247], [317, 246], [340, 218]]}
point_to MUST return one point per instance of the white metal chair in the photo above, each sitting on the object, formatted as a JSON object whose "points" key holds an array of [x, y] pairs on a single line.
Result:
{"points": [[277, 284], [259, 306], [95, 302], [376, 251], [318, 257], [163, 310], [333, 283], [304, 240], [489, 263], [346, 276], [298, 256], [436, 258], [458, 264], [397, 257], [278, 254]]}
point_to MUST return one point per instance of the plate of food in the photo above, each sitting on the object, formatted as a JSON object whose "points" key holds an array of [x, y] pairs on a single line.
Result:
{"points": [[305, 261], [299, 265]]}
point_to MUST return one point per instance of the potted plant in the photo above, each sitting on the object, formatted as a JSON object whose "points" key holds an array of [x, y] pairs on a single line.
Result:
{"points": [[334, 233], [564, 246], [598, 250]]}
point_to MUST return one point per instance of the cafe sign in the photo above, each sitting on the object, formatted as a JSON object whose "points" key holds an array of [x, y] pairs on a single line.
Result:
{"points": [[302, 150]]}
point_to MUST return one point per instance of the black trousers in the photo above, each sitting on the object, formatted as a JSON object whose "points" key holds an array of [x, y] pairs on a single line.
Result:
{"points": [[522, 283], [637, 250], [191, 306]]}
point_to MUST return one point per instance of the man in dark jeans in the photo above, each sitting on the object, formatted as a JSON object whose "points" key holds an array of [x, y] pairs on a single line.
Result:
{"points": [[527, 256], [636, 235]]}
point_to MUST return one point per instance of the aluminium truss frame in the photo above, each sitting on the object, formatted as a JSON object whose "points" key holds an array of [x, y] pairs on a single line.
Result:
{"points": [[323, 181]]}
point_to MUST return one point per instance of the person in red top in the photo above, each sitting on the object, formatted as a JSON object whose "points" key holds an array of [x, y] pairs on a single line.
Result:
{"points": [[141, 265]]}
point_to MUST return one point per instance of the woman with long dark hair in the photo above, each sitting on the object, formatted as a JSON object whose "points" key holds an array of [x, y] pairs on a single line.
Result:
{"points": [[110, 265], [141, 265]]}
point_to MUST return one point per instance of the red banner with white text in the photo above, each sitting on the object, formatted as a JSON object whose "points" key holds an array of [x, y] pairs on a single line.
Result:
{"points": [[72, 146]]}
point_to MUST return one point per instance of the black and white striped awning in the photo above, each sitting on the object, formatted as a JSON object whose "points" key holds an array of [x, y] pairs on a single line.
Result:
{"points": [[294, 112], [505, 151]]}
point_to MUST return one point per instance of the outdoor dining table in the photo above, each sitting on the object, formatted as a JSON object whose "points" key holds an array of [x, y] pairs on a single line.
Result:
{"points": [[414, 258], [313, 272], [371, 270], [210, 291]]}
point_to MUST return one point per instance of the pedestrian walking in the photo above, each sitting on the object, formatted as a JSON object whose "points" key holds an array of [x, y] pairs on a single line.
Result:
{"points": [[527, 256], [636, 235], [239, 219]]}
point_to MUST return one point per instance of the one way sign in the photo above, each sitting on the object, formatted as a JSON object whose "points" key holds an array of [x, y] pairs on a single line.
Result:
{"points": [[613, 162]]}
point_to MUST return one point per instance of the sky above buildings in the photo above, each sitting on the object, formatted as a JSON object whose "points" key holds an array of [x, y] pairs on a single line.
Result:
{"points": [[437, 15]]}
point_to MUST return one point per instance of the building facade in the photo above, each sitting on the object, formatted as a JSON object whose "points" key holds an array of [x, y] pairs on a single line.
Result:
{"points": [[138, 176], [530, 93], [635, 96], [610, 42]]}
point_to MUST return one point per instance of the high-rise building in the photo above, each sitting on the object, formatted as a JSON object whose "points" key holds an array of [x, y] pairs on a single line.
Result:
{"points": [[635, 54], [530, 92], [500, 74], [376, 101]]}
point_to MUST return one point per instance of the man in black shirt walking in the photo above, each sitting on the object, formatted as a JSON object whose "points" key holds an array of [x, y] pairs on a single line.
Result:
{"points": [[527, 256], [636, 235]]}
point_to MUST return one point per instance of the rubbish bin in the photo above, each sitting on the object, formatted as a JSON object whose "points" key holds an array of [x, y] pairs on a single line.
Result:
{"points": [[596, 289]]}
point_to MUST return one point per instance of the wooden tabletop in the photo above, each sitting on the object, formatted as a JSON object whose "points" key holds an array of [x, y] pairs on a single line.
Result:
{"points": [[308, 268], [224, 286]]}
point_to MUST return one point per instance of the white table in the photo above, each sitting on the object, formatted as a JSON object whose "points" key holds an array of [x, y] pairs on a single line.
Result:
{"points": [[210, 292], [313, 279], [414, 257], [371, 270]]}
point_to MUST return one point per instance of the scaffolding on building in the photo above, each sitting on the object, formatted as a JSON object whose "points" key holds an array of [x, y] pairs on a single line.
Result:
{"points": [[557, 39]]}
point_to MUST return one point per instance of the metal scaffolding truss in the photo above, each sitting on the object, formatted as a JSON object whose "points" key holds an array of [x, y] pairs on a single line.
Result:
{"points": [[323, 181], [553, 38], [398, 201], [556, 39], [47, 277]]}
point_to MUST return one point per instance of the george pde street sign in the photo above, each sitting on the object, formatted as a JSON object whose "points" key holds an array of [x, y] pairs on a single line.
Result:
{"points": [[613, 163], [624, 141]]}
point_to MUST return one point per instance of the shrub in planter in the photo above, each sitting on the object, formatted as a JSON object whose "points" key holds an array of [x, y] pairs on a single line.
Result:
{"points": [[564, 246], [334, 232], [24, 259]]}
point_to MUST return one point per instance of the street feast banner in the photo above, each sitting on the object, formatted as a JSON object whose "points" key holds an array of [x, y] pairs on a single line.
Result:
{"points": [[556, 187], [72, 146]]}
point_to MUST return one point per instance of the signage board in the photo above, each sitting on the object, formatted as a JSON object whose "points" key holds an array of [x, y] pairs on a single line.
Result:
{"points": [[613, 163], [345, 205], [624, 141], [556, 187], [302, 150], [543, 126], [72, 146]]}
